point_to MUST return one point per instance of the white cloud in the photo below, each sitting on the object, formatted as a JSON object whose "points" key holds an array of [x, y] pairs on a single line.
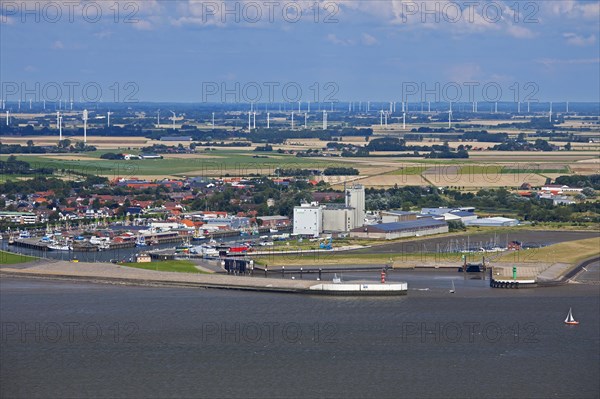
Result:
{"points": [[30, 68], [464, 73], [369, 40], [332, 38], [573, 61], [520, 32], [143, 24], [58, 45], [578, 40]]}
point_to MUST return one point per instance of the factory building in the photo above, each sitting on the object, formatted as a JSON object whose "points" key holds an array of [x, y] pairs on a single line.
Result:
{"points": [[338, 219], [308, 219], [493, 222], [397, 216], [355, 198], [391, 231], [313, 219]]}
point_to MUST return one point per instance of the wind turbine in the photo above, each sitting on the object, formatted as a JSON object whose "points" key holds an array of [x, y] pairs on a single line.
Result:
{"points": [[292, 120], [450, 116], [213, 119], [158, 118], [254, 119], [108, 116], [174, 115], [404, 121], [305, 119], [550, 113], [268, 120], [324, 120], [60, 128], [249, 120], [7, 117], [85, 119], [381, 118]]}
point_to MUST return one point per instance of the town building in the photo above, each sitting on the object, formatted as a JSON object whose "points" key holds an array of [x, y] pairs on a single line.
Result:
{"points": [[274, 221]]}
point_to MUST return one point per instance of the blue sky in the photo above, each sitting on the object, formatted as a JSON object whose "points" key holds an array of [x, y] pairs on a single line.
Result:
{"points": [[366, 50]]}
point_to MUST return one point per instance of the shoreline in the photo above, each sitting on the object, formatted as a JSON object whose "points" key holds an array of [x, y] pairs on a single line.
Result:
{"points": [[108, 273]]}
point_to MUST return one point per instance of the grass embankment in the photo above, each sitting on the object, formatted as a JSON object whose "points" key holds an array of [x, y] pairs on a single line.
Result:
{"points": [[351, 258], [571, 252], [7, 258], [178, 266]]}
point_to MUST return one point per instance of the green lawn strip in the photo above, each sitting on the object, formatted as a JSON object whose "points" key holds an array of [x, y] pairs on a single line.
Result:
{"points": [[8, 258], [178, 266]]}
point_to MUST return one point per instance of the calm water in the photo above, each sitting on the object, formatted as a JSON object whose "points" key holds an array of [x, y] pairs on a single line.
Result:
{"points": [[211, 343]]}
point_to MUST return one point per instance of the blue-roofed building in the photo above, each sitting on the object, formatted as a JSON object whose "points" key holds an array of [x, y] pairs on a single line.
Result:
{"points": [[391, 231]]}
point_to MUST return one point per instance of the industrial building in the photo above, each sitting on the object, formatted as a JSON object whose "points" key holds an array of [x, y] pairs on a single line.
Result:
{"points": [[493, 222], [314, 218], [308, 219], [355, 198], [397, 216], [338, 218], [391, 231]]}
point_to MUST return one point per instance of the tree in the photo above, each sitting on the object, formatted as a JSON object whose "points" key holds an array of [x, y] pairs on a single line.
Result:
{"points": [[568, 146], [589, 192]]}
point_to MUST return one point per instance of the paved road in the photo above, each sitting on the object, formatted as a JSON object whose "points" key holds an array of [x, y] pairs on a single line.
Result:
{"points": [[591, 274]]}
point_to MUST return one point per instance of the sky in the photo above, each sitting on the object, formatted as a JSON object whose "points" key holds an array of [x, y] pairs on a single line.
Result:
{"points": [[318, 50]]}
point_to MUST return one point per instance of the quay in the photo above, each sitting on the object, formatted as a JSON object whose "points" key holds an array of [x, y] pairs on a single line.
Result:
{"points": [[124, 275]]}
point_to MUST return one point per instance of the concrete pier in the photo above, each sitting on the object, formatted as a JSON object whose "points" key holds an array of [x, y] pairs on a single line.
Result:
{"points": [[118, 274]]}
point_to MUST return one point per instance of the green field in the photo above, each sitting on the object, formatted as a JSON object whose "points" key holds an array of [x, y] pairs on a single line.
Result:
{"points": [[178, 266], [7, 258], [220, 163]]}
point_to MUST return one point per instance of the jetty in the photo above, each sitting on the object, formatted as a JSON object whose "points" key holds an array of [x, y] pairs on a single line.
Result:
{"points": [[125, 275]]}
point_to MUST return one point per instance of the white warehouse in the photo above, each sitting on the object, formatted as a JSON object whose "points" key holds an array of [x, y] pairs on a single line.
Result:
{"points": [[308, 219]]}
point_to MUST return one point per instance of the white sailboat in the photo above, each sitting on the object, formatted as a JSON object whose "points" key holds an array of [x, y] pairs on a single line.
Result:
{"points": [[570, 320], [453, 290]]}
